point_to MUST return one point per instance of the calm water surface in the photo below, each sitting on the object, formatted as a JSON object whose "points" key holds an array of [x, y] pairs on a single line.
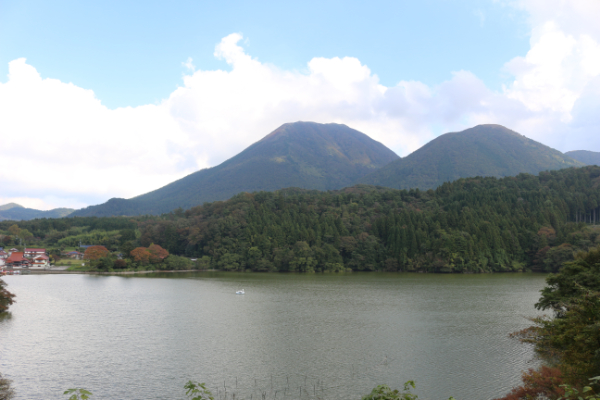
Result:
{"points": [[302, 336]]}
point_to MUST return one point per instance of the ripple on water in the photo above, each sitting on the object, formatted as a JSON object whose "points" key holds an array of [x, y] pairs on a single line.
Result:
{"points": [[335, 336]]}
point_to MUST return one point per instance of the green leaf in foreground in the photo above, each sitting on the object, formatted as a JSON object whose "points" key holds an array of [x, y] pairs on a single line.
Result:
{"points": [[198, 391], [78, 394]]}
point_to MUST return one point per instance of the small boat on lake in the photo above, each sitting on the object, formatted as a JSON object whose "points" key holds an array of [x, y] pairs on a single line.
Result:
{"points": [[240, 292]]}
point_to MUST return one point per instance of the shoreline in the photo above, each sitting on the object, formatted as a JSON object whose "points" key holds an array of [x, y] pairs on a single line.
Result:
{"points": [[41, 272], [66, 272]]}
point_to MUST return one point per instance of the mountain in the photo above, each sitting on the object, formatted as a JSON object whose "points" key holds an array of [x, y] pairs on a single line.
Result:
{"points": [[9, 206], [485, 150], [16, 212], [585, 156], [307, 155]]}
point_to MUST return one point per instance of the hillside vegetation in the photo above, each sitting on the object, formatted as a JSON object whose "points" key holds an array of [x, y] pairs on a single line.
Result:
{"points": [[485, 150], [16, 212], [475, 224], [585, 156], [470, 225], [302, 154]]}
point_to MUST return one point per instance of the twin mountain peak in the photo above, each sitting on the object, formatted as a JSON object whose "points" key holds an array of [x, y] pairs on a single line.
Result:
{"points": [[317, 156]]}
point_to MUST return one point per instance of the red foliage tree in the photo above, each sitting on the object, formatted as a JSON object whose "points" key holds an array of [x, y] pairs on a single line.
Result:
{"points": [[140, 255], [543, 382], [95, 253], [157, 253]]}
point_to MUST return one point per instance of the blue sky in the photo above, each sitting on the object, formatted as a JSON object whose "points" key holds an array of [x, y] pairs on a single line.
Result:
{"points": [[118, 98], [131, 53]]}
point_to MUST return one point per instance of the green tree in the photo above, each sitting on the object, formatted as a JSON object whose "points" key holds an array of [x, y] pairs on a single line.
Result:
{"points": [[14, 230], [571, 282], [6, 298], [229, 262], [303, 260], [177, 262], [571, 341]]}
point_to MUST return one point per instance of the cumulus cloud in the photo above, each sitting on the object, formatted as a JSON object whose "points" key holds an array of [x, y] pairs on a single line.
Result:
{"points": [[59, 138], [64, 148], [557, 79]]}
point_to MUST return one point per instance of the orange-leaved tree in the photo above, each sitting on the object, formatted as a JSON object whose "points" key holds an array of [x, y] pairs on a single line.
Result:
{"points": [[140, 255], [95, 252], [157, 253], [544, 382]]}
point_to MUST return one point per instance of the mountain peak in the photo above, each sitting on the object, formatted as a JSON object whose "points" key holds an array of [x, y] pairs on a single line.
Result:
{"points": [[299, 127], [301, 154], [484, 150], [9, 206]]}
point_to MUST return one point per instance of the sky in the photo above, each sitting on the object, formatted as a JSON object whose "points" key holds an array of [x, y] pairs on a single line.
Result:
{"points": [[118, 98]]}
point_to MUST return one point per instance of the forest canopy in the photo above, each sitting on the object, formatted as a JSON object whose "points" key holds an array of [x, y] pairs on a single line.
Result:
{"points": [[469, 225]]}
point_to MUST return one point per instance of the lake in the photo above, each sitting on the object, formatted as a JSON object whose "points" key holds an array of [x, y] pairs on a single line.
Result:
{"points": [[289, 337]]}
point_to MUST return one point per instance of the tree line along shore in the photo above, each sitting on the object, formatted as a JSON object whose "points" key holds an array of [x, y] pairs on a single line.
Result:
{"points": [[522, 223]]}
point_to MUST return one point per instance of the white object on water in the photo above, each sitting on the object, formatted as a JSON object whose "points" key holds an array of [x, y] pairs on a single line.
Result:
{"points": [[240, 292]]}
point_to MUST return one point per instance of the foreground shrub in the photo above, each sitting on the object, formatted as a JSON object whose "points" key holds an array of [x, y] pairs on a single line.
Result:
{"points": [[6, 393], [544, 382]]}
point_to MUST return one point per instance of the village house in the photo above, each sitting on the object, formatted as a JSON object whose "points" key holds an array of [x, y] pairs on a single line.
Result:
{"points": [[75, 255], [32, 253], [40, 262], [3, 255], [16, 260]]}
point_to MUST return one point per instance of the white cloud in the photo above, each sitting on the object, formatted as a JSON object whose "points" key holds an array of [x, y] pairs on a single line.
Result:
{"points": [[63, 147], [189, 64], [58, 138], [556, 80]]}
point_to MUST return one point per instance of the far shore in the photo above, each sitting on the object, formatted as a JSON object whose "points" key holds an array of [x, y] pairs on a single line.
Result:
{"points": [[49, 271]]}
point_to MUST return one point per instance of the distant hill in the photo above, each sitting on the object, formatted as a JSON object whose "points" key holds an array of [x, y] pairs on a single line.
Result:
{"points": [[306, 155], [9, 206], [17, 212], [485, 150], [585, 156]]}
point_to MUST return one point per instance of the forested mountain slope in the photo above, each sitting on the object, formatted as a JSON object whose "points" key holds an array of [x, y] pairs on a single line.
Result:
{"points": [[303, 154], [470, 225], [585, 156], [485, 150], [16, 212]]}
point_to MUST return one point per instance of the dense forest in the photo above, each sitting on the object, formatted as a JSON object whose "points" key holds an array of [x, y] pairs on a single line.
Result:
{"points": [[469, 225]]}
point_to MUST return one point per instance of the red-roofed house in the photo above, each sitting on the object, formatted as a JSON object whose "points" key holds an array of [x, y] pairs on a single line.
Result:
{"points": [[17, 261], [40, 262], [3, 254], [32, 253]]}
